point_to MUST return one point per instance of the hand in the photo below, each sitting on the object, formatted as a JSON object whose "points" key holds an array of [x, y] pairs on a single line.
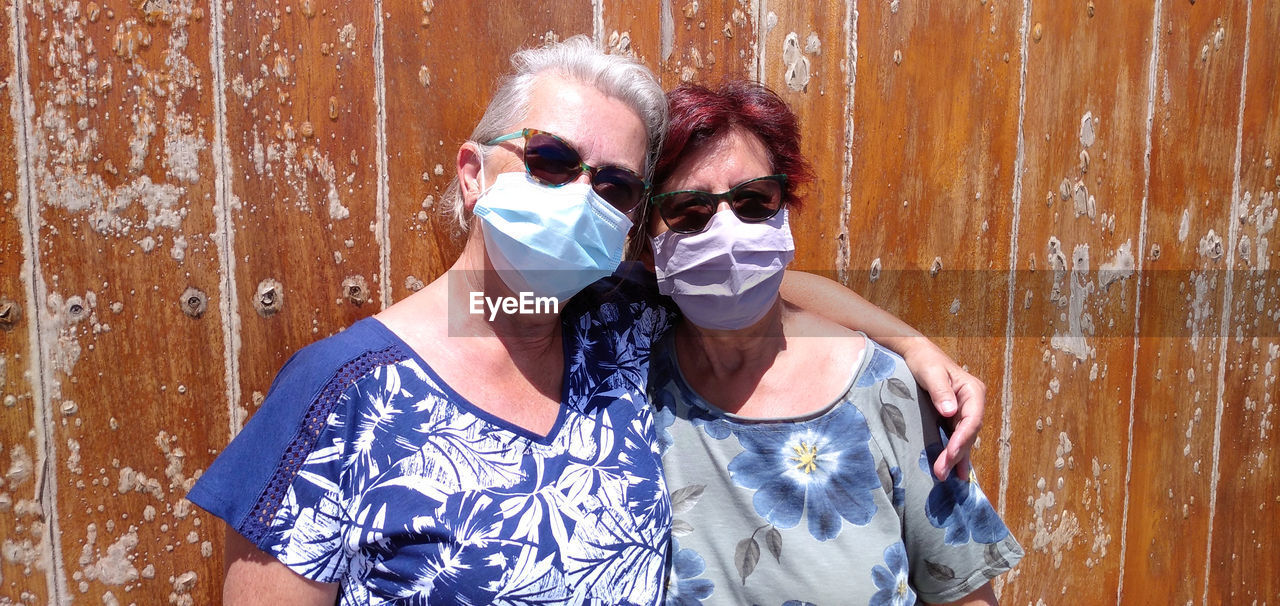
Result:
{"points": [[949, 384]]}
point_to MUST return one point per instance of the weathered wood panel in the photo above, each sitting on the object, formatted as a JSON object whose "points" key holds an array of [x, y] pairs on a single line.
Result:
{"points": [[1242, 562], [302, 144], [633, 32], [24, 569], [806, 58], [932, 178], [119, 151], [435, 94], [1085, 141], [706, 42], [216, 146], [1173, 456]]}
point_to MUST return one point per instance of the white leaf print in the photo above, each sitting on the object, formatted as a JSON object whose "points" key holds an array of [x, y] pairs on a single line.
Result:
{"points": [[325, 454], [323, 483], [392, 379], [582, 444], [531, 581], [422, 485]]}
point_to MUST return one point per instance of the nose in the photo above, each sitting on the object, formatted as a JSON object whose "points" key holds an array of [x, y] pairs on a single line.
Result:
{"points": [[723, 205], [583, 177]]}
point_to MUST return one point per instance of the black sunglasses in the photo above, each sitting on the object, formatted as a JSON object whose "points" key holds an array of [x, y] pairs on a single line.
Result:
{"points": [[551, 161], [753, 201]]}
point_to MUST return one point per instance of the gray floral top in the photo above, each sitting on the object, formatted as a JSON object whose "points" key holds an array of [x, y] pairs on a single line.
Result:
{"points": [[838, 507]]}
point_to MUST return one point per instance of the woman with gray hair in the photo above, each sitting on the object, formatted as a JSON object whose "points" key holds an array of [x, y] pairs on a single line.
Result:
{"points": [[487, 439]]}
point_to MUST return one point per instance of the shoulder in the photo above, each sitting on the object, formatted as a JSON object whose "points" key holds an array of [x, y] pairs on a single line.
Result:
{"points": [[365, 343], [286, 427], [882, 365], [899, 412], [628, 298]]}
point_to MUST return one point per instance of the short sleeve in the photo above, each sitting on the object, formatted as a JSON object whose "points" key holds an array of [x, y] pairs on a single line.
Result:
{"points": [[278, 483], [955, 540]]}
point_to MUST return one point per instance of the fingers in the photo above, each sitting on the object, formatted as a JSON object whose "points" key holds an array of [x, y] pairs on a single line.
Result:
{"points": [[937, 381], [942, 466], [962, 439], [972, 394]]}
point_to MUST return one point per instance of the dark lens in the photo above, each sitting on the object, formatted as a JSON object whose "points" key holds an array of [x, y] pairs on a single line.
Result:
{"points": [[687, 211], [619, 187], [550, 160], [757, 200]]}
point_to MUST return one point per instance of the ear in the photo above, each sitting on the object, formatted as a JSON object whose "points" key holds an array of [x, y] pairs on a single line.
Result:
{"points": [[469, 177]]}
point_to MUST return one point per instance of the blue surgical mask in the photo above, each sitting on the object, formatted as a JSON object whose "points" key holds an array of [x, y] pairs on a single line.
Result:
{"points": [[549, 241], [727, 276]]}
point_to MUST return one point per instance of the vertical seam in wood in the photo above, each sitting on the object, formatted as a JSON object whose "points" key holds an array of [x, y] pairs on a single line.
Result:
{"points": [[597, 23], [1019, 165], [1224, 325], [225, 243], [758, 47], [46, 488], [666, 33], [1153, 65], [382, 212], [846, 182]]}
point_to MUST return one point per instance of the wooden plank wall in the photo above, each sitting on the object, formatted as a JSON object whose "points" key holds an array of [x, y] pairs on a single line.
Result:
{"points": [[1078, 199]]}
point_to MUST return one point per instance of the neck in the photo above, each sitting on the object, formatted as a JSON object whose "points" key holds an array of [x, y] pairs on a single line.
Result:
{"points": [[732, 353], [476, 299]]}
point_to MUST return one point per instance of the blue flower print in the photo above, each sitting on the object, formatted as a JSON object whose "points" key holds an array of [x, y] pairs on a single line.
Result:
{"points": [[682, 588], [822, 468], [899, 493], [664, 416], [879, 368], [960, 507], [891, 579], [709, 423]]}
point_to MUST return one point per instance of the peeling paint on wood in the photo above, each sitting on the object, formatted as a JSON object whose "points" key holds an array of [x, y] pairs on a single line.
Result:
{"points": [[190, 192]]}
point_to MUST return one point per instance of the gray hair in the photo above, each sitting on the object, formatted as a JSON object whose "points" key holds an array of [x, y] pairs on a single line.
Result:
{"points": [[578, 58]]}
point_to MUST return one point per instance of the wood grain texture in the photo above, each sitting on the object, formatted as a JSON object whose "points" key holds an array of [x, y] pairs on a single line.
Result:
{"points": [[301, 136], [435, 96], [706, 42], [24, 574], [934, 149], [1247, 509], [1085, 141], [805, 58], [1200, 61], [213, 146], [120, 161], [934, 146], [637, 33]]}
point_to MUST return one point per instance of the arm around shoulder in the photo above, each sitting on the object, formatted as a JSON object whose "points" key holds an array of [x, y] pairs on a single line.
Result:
{"points": [[955, 392], [253, 577]]}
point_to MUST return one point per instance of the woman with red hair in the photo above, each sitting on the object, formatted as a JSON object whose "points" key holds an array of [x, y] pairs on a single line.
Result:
{"points": [[800, 468]]}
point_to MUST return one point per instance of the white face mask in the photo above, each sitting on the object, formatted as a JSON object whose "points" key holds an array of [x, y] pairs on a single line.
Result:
{"points": [[727, 276], [549, 241]]}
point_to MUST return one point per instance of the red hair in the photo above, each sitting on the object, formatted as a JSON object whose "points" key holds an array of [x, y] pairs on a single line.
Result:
{"points": [[698, 115]]}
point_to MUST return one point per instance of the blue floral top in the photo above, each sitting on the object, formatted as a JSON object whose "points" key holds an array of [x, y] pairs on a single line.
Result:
{"points": [[362, 467], [838, 507]]}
